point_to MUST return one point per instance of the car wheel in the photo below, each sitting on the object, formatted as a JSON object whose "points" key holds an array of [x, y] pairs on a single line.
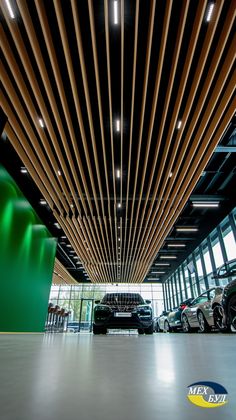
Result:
{"points": [[167, 326], [140, 331], [149, 330], [232, 313], [218, 313], [97, 330], [186, 326], [203, 325]]}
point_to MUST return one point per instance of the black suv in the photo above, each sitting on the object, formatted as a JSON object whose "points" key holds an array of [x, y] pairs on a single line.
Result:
{"points": [[123, 311]]}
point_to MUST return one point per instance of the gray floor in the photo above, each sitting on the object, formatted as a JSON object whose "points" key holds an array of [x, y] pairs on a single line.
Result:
{"points": [[114, 377]]}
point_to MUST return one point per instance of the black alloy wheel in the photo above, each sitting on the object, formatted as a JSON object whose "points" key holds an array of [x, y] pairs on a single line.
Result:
{"points": [[186, 326], [232, 313], [98, 330], [149, 330], [140, 331], [203, 324], [218, 313]]}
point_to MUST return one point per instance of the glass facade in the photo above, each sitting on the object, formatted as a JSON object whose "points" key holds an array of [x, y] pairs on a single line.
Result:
{"points": [[195, 274], [71, 297]]}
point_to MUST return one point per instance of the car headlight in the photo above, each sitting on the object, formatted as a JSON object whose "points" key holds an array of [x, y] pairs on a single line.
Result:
{"points": [[102, 308], [144, 310]]}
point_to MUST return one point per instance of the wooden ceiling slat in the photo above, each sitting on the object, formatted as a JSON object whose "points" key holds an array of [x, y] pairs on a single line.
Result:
{"points": [[95, 58], [186, 69], [152, 119], [117, 244], [39, 98], [204, 121], [123, 271], [143, 104], [179, 192]]}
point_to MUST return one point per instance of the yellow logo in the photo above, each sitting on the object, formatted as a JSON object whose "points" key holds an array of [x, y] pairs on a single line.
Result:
{"points": [[207, 394]]}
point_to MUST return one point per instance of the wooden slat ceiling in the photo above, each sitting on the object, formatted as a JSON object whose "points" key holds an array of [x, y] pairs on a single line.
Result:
{"points": [[111, 98], [61, 275]]}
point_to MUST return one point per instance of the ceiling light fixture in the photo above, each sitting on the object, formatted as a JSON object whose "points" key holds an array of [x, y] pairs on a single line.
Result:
{"points": [[186, 229], [69, 246], [59, 173], [115, 4], [43, 202], [118, 173], [117, 126], [119, 205], [158, 272], [162, 264], [41, 123], [179, 123], [23, 170], [209, 11], [57, 225], [63, 237], [168, 257], [171, 173], [206, 204], [176, 245], [10, 9]]}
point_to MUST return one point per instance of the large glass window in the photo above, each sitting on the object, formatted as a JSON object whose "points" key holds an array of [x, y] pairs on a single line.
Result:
{"points": [[218, 257], [207, 260], [230, 245]]}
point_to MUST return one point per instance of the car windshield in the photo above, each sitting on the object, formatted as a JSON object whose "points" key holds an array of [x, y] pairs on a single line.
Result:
{"points": [[122, 299]]}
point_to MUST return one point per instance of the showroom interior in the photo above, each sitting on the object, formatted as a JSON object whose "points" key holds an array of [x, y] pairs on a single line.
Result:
{"points": [[117, 209]]}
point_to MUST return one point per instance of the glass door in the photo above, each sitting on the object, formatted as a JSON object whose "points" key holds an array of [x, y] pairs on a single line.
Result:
{"points": [[86, 315]]}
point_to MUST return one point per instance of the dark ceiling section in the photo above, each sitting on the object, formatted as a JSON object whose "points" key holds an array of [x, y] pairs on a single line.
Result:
{"points": [[117, 121]]}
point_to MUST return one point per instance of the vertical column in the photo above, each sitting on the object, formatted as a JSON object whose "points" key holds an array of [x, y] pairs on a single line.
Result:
{"points": [[184, 280], [196, 273], [180, 289], [172, 289], [222, 245], [232, 224], [212, 259], [176, 291], [203, 268]]}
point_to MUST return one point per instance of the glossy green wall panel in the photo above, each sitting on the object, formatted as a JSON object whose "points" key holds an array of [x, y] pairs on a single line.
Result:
{"points": [[27, 256]]}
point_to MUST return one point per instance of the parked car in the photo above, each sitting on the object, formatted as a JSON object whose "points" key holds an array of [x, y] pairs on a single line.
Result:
{"points": [[160, 322], [123, 311], [225, 310], [173, 322], [199, 314]]}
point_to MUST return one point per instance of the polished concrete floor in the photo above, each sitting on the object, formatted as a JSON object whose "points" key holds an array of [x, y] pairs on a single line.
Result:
{"points": [[114, 377]]}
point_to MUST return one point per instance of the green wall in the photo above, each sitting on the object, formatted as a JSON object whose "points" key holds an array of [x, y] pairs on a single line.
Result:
{"points": [[27, 256]]}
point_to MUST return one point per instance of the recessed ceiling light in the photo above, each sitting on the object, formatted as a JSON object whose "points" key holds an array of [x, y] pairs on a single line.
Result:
{"points": [[118, 173], [162, 264], [63, 237], [117, 126], [10, 10], [115, 6], [43, 202], [158, 272], [59, 172], [41, 123], [72, 205], [186, 229], [171, 173], [168, 257], [176, 245], [119, 205], [206, 204], [179, 123], [118, 227], [118, 239], [209, 11], [69, 246], [57, 225], [23, 170]]}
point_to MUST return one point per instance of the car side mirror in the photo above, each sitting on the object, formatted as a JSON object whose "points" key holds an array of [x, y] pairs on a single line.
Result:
{"points": [[97, 301], [148, 302]]}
